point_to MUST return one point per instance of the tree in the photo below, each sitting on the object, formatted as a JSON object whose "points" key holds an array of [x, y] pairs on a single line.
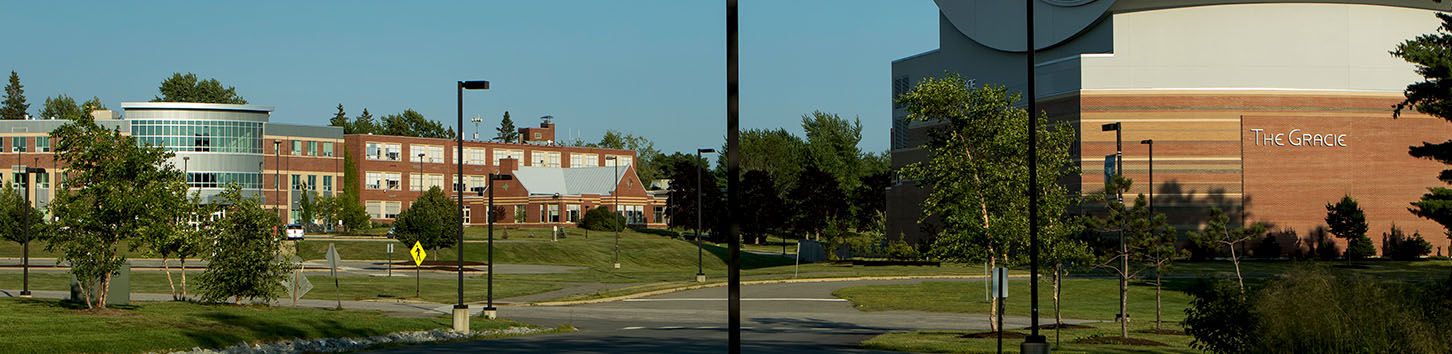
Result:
{"points": [[352, 212], [1431, 54], [91, 105], [601, 219], [61, 107], [760, 206], [117, 191], [187, 88], [816, 201], [1157, 250], [649, 164], [977, 170], [14, 106], [329, 208], [684, 171], [869, 199], [15, 213], [1131, 224], [1348, 222], [308, 207], [365, 124], [832, 146], [412, 123], [778, 152], [1396, 245], [428, 221], [340, 120], [183, 239], [1219, 232], [247, 261], [506, 133]]}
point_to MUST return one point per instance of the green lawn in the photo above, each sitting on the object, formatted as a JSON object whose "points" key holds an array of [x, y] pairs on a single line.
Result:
{"points": [[439, 290], [50, 326], [953, 341], [1089, 299]]}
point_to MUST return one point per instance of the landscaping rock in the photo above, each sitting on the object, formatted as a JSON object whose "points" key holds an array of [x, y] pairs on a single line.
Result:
{"points": [[336, 345]]}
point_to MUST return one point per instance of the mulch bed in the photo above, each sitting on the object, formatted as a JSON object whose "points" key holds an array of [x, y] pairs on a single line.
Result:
{"points": [[1162, 331], [1065, 326], [1015, 335], [1120, 340]]}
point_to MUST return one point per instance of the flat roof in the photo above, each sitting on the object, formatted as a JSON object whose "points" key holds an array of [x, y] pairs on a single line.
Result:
{"points": [[196, 106]]}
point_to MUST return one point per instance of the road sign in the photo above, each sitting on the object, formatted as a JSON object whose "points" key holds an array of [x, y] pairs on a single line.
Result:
{"points": [[1000, 282], [332, 257], [390, 248], [303, 285], [418, 253]]}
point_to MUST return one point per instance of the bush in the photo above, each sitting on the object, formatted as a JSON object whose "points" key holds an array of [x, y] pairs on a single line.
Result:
{"points": [[1360, 248], [658, 232], [1269, 247], [1396, 245], [601, 219], [901, 250], [1219, 318], [1328, 250]]}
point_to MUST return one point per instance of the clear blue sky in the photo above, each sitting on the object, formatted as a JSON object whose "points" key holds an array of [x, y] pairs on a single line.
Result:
{"points": [[650, 68]]}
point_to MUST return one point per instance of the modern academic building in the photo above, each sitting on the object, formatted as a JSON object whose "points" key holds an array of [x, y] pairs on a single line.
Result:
{"points": [[218, 144], [1266, 109]]}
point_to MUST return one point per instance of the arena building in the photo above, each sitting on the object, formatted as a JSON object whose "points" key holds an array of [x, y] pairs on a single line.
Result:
{"points": [[1266, 109]]}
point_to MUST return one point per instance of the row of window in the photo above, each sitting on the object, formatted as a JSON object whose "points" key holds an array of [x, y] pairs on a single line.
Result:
{"points": [[476, 156], [223, 179], [548, 213], [309, 183], [200, 135], [22, 144], [311, 148]]}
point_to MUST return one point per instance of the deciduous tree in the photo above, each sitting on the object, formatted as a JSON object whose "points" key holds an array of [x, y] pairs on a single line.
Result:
{"points": [[246, 262], [430, 220], [1219, 232], [61, 107], [187, 88], [1126, 225]]}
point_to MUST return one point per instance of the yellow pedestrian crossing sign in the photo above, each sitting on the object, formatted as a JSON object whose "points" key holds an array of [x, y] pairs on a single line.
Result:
{"points": [[418, 253]]}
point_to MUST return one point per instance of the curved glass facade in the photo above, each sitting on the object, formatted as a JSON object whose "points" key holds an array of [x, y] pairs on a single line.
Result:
{"points": [[246, 180], [199, 135]]}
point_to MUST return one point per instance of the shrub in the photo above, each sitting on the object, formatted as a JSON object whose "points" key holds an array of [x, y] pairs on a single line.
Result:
{"points": [[1269, 247], [1360, 247], [1328, 250], [1219, 317], [601, 219], [1396, 245], [901, 250]]}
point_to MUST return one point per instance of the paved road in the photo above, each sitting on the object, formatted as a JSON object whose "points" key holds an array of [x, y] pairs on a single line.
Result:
{"points": [[789, 318]]}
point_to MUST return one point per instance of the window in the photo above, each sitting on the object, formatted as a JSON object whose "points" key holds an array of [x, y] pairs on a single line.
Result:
{"points": [[500, 154], [383, 180], [549, 213], [42, 143], [624, 160], [379, 209], [297, 148], [659, 214], [419, 183], [199, 135], [634, 214], [468, 212], [375, 209], [296, 182], [573, 212], [328, 149], [432, 153], [474, 156], [328, 184], [313, 183], [383, 151], [18, 144], [545, 158], [42, 180], [390, 209], [584, 160], [312, 148]]}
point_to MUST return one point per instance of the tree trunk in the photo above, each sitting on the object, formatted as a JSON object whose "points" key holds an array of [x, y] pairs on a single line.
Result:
{"points": [[167, 269], [1124, 302], [993, 297], [85, 295], [1058, 318], [184, 277], [102, 289], [1158, 283], [1235, 260]]}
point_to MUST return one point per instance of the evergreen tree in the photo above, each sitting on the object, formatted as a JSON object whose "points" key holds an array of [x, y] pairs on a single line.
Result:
{"points": [[1432, 56], [365, 124], [506, 132], [340, 120], [15, 106], [1348, 222]]}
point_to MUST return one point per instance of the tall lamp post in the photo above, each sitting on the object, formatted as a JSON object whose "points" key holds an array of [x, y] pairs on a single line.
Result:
{"points": [[276, 178], [489, 311], [700, 254], [25, 172], [461, 311], [420, 173], [615, 191], [1151, 185], [1034, 343], [1119, 196]]}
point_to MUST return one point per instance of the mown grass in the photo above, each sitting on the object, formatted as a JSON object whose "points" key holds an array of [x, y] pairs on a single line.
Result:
{"points": [[953, 341], [1087, 299], [51, 326], [439, 290]]}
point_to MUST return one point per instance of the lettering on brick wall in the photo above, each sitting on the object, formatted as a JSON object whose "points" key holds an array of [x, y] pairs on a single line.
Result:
{"points": [[1298, 138]]}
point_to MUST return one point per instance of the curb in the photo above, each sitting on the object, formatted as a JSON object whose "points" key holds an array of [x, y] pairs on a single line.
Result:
{"points": [[752, 282]]}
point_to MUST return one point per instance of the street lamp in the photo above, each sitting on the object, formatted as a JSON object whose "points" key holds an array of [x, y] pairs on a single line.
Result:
{"points": [[1151, 185], [186, 176], [1119, 171], [700, 273], [489, 311], [420, 173], [25, 172], [461, 311], [615, 191], [276, 178]]}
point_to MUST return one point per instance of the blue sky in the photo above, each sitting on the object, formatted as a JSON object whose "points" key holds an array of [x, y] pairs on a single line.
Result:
{"points": [[649, 68]]}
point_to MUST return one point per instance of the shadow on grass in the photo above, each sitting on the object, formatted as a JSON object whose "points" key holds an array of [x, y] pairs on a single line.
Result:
{"points": [[749, 260], [225, 329]]}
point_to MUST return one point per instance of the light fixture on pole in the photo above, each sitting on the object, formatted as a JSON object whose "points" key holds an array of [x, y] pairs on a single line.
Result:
{"points": [[700, 253], [1119, 195], [461, 311], [1151, 185], [489, 311], [1034, 342], [25, 172], [276, 178], [419, 185], [476, 121], [615, 191]]}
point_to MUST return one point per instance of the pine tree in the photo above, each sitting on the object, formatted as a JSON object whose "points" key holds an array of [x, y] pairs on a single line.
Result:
{"points": [[1347, 221], [15, 106], [506, 131], [1432, 55], [340, 120]]}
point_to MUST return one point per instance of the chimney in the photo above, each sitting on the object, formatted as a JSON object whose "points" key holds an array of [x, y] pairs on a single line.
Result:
{"points": [[507, 166]]}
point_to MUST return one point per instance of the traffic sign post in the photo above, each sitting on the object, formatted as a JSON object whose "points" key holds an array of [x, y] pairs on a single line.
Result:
{"points": [[333, 264], [1000, 291], [390, 259], [418, 258]]}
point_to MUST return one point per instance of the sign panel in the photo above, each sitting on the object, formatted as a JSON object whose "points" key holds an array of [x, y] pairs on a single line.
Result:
{"points": [[332, 257], [390, 248], [1000, 282], [418, 253], [1109, 170]]}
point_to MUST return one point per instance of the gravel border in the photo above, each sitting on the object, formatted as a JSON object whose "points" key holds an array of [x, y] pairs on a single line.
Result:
{"points": [[336, 345]]}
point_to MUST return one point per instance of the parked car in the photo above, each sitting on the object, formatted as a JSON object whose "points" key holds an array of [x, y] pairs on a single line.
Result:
{"points": [[295, 232]]}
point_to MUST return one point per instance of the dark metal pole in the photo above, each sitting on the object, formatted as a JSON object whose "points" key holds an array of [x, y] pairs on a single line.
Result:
{"points": [[460, 178], [1033, 164], [700, 254], [618, 211], [25, 290], [733, 185], [490, 216]]}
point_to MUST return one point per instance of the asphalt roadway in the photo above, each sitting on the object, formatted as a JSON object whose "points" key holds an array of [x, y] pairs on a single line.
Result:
{"points": [[787, 318]]}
